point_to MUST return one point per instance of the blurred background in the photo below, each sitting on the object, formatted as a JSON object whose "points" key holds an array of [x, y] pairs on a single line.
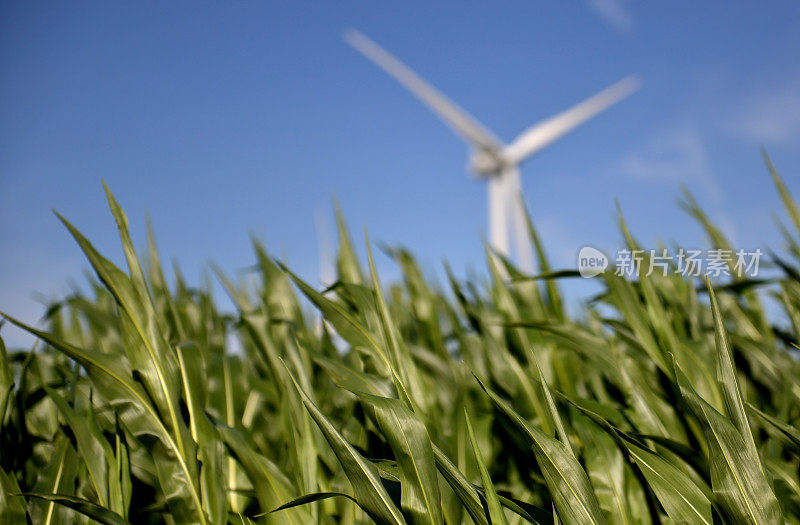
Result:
{"points": [[223, 121]]}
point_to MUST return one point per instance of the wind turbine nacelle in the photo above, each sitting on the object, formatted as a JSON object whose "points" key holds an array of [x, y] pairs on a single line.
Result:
{"points": [[484, 163]]}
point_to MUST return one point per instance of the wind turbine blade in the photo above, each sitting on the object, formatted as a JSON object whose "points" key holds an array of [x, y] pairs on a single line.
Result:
{"points": [[461, 122], [498, 214], [546, 132], [523, 250]]}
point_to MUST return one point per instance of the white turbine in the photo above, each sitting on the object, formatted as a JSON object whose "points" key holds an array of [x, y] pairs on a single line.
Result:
{"points": [[491, 158]]}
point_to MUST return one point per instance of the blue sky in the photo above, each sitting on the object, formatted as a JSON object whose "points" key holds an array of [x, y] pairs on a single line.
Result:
{"points": [[220, 120]]}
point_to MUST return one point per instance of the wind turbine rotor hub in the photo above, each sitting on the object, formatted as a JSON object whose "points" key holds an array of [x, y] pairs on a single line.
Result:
{"points": [[486, 164]]}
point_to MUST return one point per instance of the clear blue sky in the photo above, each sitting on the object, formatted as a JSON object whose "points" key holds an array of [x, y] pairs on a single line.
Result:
{"points": [[224, 119]]}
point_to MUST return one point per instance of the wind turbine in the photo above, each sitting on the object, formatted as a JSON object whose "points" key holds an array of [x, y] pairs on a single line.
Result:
{"points": [[490, 158]]}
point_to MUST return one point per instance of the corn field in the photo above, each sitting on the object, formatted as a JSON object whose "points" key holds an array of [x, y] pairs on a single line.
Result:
{"points": [[665, 400]]}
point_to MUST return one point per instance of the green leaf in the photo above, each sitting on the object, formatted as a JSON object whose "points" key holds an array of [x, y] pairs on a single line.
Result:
{"points": [[347, 261], [788, 433], [683, 500], [726, 377], [607, 471], [12, 505], [463, 489], [6, 381], [310, 498], [403, 367], [349, 379], [111, 375], [409, 440], [84, 506], [56, 477], [367, 487], [94, 450], [496, 513], [569, 486], [154, 360], [788, 202], [271, 485], [342, 320], [737, 479]]}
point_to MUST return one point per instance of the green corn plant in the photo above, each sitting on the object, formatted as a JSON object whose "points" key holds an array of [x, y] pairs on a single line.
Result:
{"points": [[482, 400]]}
